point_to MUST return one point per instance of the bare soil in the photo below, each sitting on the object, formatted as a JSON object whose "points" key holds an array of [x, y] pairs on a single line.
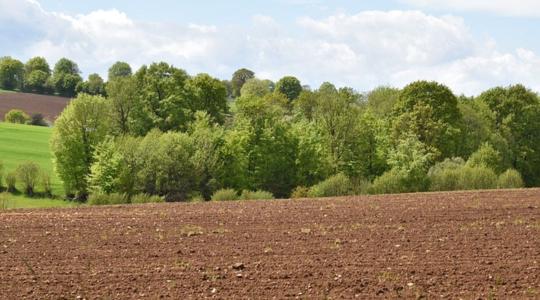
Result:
{"points": [[455, 245], [49, 106]]}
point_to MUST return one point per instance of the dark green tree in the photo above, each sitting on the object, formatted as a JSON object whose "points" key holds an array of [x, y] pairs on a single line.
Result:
{"points": [[290, 87], [239, 78]]}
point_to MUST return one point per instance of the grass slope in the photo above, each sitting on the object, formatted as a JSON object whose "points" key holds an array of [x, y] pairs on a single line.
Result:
{"points": [[19, 201], [20, 143], [5, 91]]}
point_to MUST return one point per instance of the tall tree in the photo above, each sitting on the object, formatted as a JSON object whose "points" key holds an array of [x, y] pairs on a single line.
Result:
{"points": [[290, 87], [122, 94], [66, 77], [119, 69], [78, 130], [239, 78], [208, 94], [11, 73], [93, 86]]}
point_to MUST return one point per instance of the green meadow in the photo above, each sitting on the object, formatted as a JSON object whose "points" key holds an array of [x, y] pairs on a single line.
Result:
{"points": [[21, 143]]}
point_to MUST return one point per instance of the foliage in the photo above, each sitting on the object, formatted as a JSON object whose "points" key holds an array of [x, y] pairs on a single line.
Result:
{"points": [[391, 182], [257, 88], [146, 198], [1, 173], [46, 184], [289, 86], [336, 185], [381, 100], [108, 199], [118, 70], [37, 120], [16, 116], [208, 94], [11, 181], [66, 77], [476, 178], [300, 192], [93, 86], [37, 73], [28, 174], [486, 156], [445, 176], [11, 73], [239, 78], [256, 195], [78, 130], [225, 195], [510, 179]]}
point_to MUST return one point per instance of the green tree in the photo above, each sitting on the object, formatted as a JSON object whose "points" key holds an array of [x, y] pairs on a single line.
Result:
{"points": [[381, 100], [257, 87], [163, 99], [239, 78], [430, 111], [79, 129], [119, 69], [66, 77], [208, 94], [28, 174], [290, 87], [208, 139], [488, 157], [37, 73], [516, 111], [11, 73], [122, 95], [93, 86]]}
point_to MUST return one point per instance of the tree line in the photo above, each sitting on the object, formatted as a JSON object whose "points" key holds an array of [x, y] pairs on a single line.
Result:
{"points": [[160, 131]]}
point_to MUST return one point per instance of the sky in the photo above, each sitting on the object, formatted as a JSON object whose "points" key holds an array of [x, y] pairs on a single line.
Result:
{"points": [[469, 45]]}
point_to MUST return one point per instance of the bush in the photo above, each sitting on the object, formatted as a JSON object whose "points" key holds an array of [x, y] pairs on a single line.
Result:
{"points": [[486, 156], [444, 176], [391, 182], [4, 201], [225, 195], [361, 186], [108, 199], [300, 192], [28, 174], [510, 179], [16, 116], [11, 181], [46, 184], [257, 195], [38, 120], [337, 185], [1, 173], [477, 178], [145, 198]]}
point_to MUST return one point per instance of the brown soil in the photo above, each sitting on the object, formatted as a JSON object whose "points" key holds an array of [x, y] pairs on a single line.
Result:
{"points": [[457, 245], [49, 106]]}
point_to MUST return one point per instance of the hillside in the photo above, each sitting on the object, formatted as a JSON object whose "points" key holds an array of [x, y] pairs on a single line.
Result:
{"points": [[49, 106], [19, 143]]}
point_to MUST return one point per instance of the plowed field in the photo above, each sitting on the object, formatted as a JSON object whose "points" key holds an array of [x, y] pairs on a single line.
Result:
{"points": [[457, 245], [50, 106]]}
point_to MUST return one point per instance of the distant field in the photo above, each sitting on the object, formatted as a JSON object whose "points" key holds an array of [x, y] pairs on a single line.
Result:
{"points": [[5, 91], [49, 106], [19, 143], [19, 201]]}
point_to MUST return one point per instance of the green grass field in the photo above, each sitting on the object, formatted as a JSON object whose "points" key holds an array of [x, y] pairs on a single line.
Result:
{"points": [[9, 201], [5, 91], [20, 143]]}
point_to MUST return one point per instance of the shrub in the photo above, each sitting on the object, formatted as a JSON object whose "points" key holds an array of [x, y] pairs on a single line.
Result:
{"points": [[486, 156], [11, 181], [477, 178], [46, 184], [4, 201], [391, 182], [37, 120], [444, 176], [225, 195], [256, 195], [28, 174], [16, 116], [146, 198], [108, 199], [360, 186], [300, 192], [337, 185], [1, 173], [510, 179]]}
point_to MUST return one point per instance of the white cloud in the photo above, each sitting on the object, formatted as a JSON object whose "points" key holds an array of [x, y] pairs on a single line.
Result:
{"points": [[362, 50], [529, 8]]}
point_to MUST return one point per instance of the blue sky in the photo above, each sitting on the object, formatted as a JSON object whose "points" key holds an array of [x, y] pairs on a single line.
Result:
{"points": [[468, 45]]}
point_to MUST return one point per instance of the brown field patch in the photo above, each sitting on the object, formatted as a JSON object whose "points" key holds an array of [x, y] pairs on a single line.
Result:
{"points": [[49, 106], [412, 246]]}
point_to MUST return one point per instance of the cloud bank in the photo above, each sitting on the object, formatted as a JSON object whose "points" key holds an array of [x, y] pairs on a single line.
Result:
{"points": [[361, 50]]}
